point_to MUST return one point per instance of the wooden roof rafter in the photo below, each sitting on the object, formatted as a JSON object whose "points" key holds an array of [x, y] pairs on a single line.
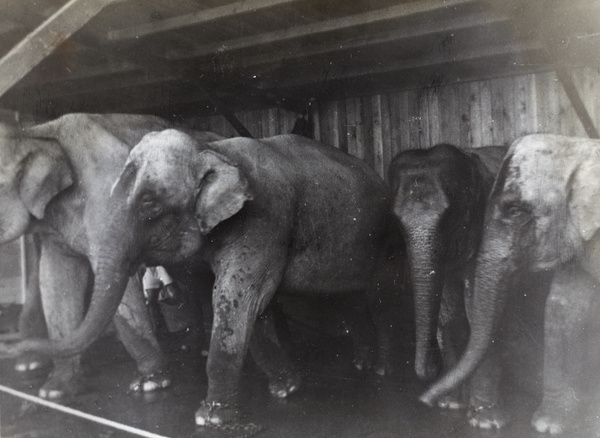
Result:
{"points": [[46, 38]]}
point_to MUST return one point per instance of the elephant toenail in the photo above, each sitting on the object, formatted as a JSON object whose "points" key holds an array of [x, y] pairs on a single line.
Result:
{"points": [[149, 386]]}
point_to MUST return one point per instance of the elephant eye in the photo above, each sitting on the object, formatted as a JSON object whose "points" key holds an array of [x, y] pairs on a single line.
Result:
{"points": [[150, 208], [515, 210]]}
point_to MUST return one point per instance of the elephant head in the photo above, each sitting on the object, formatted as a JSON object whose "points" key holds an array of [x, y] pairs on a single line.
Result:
{"points": [[169, 196], [439, 199], [542, 213], [32, 173]]}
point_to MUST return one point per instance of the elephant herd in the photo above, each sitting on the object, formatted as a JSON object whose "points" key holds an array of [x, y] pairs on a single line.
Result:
{"points": [[106, 194]]}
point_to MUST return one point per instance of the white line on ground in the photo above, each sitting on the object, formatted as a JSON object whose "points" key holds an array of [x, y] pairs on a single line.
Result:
{"points": [[79, 414]]}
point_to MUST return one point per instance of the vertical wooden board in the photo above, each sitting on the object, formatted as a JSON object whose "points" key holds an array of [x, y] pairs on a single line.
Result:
{"points": [[316, 120], [434, 118], [464, 112], [342, 129], [386, 134], [449, 115], [366, 131], [509, 109], [546, 103], [257, 121], [414, 120], [282, 122], [335, 124], [568, 120], [396, 122], [423, 106], [327, 125], [521, 101], [532, 105], [351, 122], [487, 123], [476, 134], [403, 140], [497, 103], [272, 120], [376, 110]]}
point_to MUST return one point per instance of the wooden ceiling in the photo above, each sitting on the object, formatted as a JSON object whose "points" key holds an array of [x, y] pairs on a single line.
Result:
{"points": [[181, 57]]}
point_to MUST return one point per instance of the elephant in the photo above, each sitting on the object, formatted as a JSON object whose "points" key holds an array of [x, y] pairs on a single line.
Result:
{"points": [[55, 181], [440, 195], [542, 215], [285, 214]]}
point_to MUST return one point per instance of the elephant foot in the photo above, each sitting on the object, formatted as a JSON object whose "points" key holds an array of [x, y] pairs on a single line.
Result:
{"points": [[216, 414], [363, 358], [284, 385], [552, 419], [451, 402], [548, 424], [151, 382], [32, 362], [58, 387], [488, 417], [383, 366]]}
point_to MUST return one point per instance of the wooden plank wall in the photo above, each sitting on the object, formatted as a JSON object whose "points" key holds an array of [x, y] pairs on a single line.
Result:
{"points": [[482, 113]]}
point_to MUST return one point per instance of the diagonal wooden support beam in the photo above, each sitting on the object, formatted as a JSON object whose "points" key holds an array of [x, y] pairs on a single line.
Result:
{"points": [[46, 38], [564, 76]]}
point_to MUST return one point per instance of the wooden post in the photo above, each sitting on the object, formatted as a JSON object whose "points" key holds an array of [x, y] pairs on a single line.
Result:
{"points": [[45, 39]]}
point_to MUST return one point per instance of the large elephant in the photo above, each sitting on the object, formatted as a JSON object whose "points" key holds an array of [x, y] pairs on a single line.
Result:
{"points": [[542, 215], [55, 182], [279, 214], [439, 199]]}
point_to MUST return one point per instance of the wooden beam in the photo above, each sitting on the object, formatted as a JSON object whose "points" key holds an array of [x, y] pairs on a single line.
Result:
{"points": [[412, 30], [345, 69], [195, 19], [312, 29], [45, 39], [584, 116]]}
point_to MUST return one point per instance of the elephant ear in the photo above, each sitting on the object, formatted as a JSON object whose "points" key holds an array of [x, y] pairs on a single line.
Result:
{"points": [[584, 197], [45, 172], [223, 190]]}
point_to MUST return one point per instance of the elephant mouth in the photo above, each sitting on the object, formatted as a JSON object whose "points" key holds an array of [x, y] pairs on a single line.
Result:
{"points": [[545, 265]]}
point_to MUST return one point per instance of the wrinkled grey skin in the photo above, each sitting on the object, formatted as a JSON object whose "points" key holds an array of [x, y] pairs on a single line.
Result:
{"points": [[279, 214], [439, 200], [542, 215], [55, 182]]}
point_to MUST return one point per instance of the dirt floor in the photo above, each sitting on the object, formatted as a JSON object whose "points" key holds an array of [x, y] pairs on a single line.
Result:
{"points": [[334, 401]]}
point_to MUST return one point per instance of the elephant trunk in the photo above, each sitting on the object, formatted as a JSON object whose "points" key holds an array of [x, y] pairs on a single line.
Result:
{"points": [[110, 281], [427, 282], [487, 304]]}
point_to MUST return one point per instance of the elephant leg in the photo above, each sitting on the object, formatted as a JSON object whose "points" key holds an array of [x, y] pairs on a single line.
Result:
{"points": [[567, 313], [237, 301], [135, 331], [32, 324], [359, 322], [452, 334], [63, 285], [267, 352], [485, 409]]}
